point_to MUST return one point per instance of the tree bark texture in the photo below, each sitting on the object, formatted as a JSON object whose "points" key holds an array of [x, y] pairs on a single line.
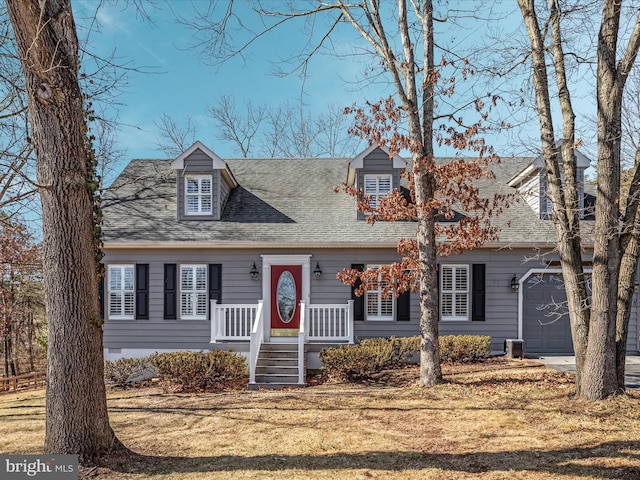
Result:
{"points": [[76, 412], [564, 208]]}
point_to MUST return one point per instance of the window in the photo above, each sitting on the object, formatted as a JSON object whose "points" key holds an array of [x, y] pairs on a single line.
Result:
{"points": [[379, 307], [377, 186], [198, 197], [121, 292], [193, 292], [454, 292]]}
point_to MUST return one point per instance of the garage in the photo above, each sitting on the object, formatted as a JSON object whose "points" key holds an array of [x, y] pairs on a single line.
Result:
{"points": [[545, 324]]}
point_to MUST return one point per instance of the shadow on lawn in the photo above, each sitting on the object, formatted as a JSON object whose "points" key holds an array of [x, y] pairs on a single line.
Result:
{"points": [[553, 462]]}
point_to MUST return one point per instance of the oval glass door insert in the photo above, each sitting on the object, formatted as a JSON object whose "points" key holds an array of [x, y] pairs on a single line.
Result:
{"points": [[286, 296]]}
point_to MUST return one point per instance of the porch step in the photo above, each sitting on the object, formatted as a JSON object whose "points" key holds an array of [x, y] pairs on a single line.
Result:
{"points": [[277, 366]]}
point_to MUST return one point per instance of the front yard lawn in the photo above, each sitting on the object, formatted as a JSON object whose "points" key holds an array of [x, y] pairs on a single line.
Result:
{"points": [[497, 420]]}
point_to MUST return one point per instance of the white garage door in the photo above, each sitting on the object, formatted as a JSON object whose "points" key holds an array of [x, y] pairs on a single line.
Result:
{"points": [[545, 323]]}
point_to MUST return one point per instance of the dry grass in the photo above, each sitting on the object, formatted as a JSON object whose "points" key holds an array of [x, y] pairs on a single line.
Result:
{"points": [[506, 419]]}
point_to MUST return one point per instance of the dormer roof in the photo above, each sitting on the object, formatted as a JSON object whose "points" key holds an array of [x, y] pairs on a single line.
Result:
{"points": [[358, 162], [216, 162]]}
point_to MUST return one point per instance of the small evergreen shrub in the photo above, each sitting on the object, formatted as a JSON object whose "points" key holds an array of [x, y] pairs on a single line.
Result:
{"points": [[125, 371], [464, 348], [200, 371]]}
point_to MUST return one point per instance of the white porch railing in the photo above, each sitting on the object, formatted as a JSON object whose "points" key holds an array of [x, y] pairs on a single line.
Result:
{"points": [[257, 335], [319, 323], [232, 322], [301, 341], [333, 323]]}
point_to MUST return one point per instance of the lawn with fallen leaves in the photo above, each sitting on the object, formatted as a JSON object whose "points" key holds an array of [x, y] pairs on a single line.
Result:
{"points": [[504, 419]]}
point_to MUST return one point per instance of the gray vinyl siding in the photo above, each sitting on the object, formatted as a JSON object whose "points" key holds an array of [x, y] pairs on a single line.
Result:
{"points": [[501, 314], [377, 163]]}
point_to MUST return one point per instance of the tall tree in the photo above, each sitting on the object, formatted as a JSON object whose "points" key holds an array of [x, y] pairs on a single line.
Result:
{"points": [[599, 324], [401, 41], [77, 421]]}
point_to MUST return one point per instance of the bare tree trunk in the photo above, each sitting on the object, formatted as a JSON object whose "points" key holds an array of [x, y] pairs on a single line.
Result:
{"points": [[564, 208], [76, 412], [630, 248]]}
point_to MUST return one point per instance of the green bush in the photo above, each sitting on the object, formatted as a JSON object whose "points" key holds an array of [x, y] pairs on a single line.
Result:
{"points": [[200, 371], [127, 370], [464, 348]]}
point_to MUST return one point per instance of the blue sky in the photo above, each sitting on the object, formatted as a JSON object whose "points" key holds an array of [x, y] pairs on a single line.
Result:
{"points": [[181, 85]]}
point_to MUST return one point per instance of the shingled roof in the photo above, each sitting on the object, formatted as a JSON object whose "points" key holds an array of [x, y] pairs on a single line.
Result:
{"points": [[281, 203]]}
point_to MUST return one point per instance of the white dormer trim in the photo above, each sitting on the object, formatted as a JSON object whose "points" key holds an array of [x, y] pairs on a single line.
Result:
{"points": [[358, 162], [216, 162]]}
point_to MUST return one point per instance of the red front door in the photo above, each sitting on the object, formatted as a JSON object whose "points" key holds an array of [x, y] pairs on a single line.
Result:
{"points": [[286, 289]]}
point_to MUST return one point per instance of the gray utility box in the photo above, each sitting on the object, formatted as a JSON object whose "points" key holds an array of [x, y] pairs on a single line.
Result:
{"points": [[514, 348]]}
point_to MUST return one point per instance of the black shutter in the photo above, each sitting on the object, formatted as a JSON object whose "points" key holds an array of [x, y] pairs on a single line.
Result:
{"points": [[358, 302], [170, 294], [142, 291], [403, 305], [477, 292], [215, 282], [101, 295]]}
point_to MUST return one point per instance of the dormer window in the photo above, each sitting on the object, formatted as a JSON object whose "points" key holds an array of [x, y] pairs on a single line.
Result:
{"points": [[198, 194], [377, 186]]}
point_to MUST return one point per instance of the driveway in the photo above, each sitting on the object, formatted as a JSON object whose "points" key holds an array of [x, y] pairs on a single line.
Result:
{"points": [[568, 364]]}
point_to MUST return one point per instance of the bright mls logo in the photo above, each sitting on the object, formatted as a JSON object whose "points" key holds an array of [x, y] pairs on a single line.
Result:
{"points": [[51, 467]]}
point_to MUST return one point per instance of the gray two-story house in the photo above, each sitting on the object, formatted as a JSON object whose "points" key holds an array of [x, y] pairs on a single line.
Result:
{"points": [[242, 254]]}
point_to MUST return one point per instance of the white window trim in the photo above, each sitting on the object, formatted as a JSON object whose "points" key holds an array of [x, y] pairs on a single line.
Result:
{"points": [[199, 195], [379, 318], [121, 290], [454, 317], [377, 195], [194, 292]]}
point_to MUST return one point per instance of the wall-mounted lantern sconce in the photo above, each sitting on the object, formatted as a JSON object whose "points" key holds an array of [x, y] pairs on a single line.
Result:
{"points": [[254, 272], [317, 272], [514, 284]]}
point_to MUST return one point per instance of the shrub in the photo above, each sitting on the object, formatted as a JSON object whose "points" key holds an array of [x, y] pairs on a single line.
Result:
{"points": [[200, 371], [128, 370], [356, 362], [464, 348], [371, 355], [403, 348]]}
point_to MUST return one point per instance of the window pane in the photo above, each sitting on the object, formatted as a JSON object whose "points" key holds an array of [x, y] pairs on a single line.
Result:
{"points": [[461, 279], [206, 204], [446, 305], [128, 278], [186, 278], [447, 278], [192, 185], [201, 278], [128, 304], [201, 308], [461, 304], [372, 303], [115, 303], [115, 278], [192, 204], [186, 305], [386, 306], [205, 185], [384, 185]]}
